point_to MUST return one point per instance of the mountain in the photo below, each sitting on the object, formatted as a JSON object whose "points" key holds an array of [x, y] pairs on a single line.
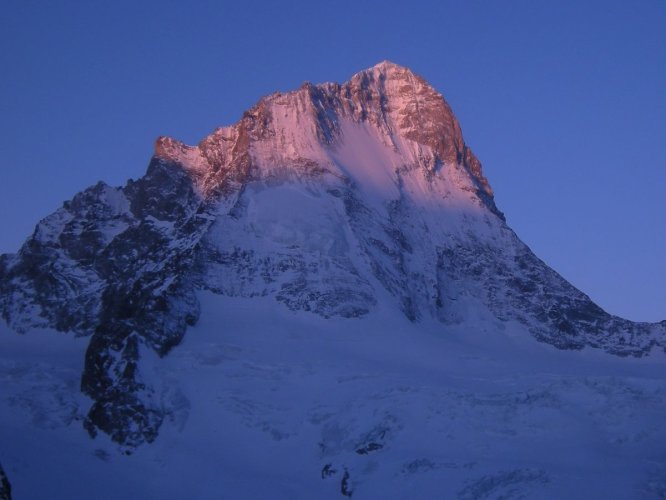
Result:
{"points": [[332, 209]]}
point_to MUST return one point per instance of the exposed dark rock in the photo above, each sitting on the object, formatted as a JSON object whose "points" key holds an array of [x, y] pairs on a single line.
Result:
{"points": [[328, 471], [369, 447], [5, 486], [346, 485], [374, 440]]}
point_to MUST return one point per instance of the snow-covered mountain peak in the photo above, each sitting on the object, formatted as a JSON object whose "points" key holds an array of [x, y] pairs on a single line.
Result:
{"points": [[387, 71], [383, 121], [392, 81], [388, 66], [334, 200]]}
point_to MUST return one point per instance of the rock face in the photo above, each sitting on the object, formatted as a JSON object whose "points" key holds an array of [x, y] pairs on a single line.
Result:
{"points": [[5, 487], [329, 199]]}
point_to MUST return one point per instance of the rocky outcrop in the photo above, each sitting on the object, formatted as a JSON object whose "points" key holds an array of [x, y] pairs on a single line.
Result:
{"points": [[113, 264], [5, 486], [517, 286]]}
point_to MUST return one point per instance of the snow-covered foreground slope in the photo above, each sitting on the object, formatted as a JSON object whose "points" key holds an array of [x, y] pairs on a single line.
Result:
{"points": [[265, 402]]}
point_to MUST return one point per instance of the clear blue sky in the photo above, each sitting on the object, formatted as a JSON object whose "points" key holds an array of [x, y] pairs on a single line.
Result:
{"points": [[563, 102]]}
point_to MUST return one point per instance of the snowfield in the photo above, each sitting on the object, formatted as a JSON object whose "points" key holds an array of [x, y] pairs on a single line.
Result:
{"points": [[268, 403]]}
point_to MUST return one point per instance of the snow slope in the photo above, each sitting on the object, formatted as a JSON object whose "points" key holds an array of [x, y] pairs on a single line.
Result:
{"points": [[270, 403]]}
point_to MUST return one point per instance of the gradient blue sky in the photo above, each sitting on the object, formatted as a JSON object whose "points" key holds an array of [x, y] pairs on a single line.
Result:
{"points": [[563, 102]]}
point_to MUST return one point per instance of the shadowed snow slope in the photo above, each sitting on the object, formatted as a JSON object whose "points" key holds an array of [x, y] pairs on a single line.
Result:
{"points": [[320, 299], [268, 403]]}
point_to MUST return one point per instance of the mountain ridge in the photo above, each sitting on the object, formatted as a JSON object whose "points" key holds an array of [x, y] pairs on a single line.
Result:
{"points": [[331, 199], [389, 96]]}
